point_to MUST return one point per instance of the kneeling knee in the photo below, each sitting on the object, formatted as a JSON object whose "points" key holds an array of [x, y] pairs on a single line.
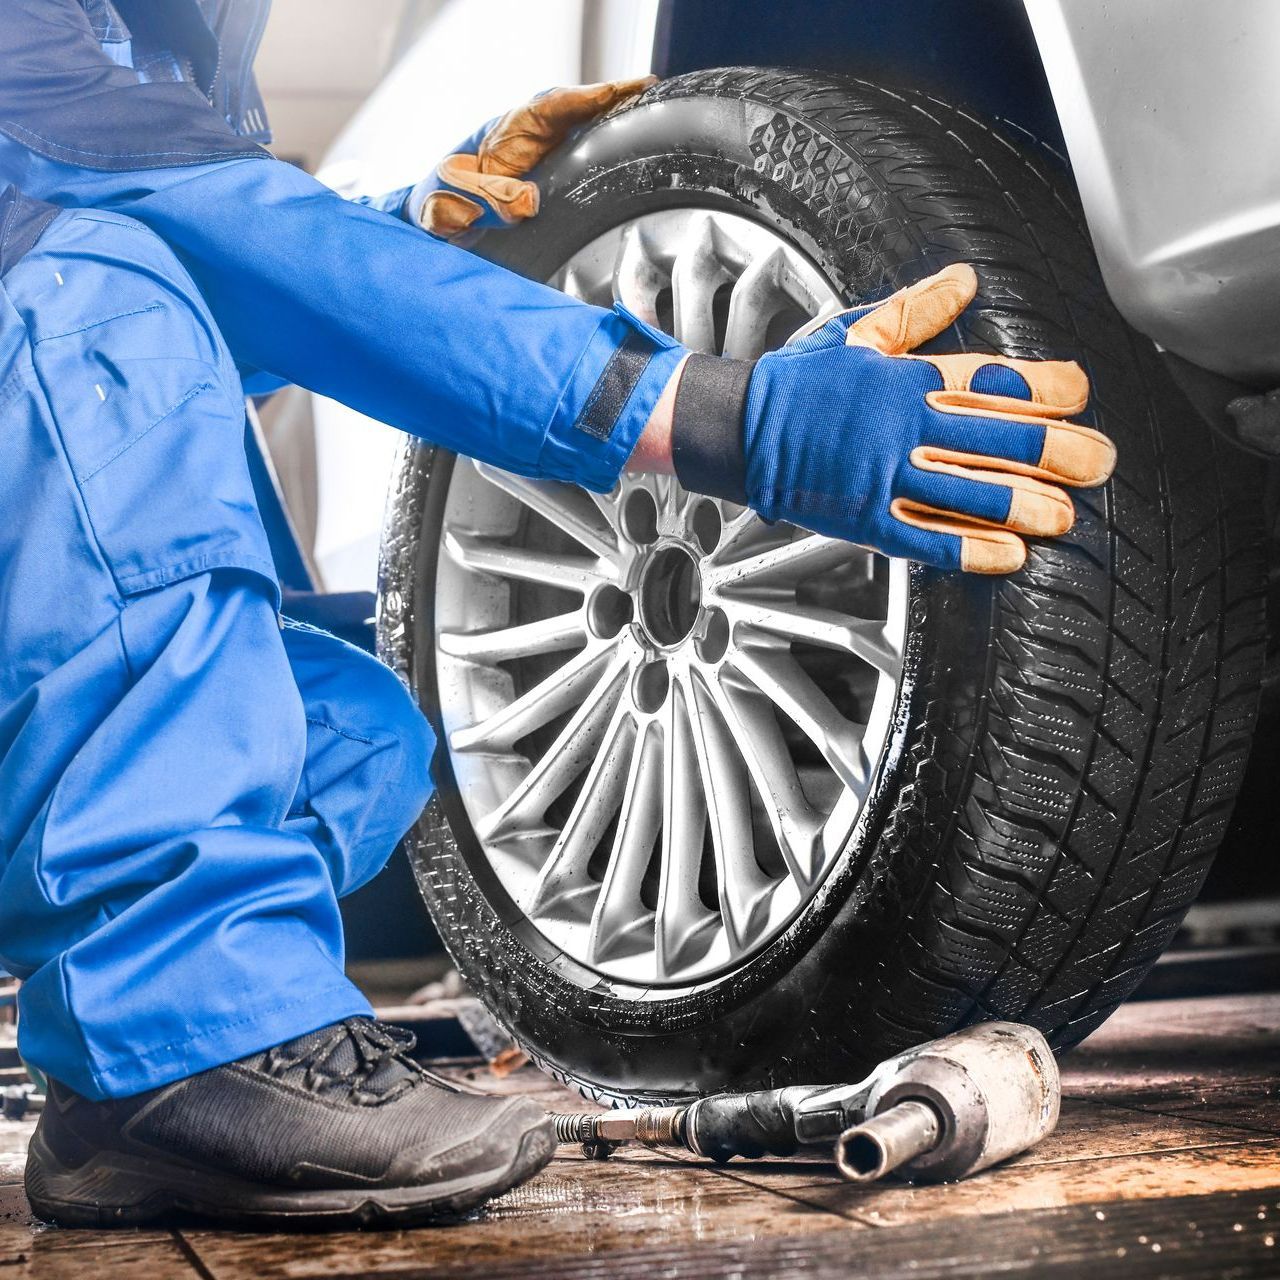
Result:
{"points": [[409, 784]]}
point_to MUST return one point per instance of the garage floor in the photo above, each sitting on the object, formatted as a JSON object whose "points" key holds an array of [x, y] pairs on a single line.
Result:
{"points": [[1166, 1162]]}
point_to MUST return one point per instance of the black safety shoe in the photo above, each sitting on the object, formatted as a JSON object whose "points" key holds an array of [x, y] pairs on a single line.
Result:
{"points": [[336, 1128]]}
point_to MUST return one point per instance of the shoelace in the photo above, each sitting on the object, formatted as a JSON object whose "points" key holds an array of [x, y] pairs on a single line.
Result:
{"points": [[374, 1045]]}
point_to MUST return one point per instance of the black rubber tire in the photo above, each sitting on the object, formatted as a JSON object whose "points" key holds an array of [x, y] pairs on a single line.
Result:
{"points": [[1076, 733]]}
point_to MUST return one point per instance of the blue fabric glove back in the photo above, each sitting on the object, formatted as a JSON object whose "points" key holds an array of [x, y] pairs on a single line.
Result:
{"points": [[951, 460]]}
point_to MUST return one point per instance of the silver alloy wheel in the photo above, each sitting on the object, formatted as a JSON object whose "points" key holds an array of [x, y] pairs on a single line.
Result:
{"points": [[663, 714]]}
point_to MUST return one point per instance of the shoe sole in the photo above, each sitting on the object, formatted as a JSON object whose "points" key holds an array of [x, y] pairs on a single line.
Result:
{"points": [[117, 1190]]}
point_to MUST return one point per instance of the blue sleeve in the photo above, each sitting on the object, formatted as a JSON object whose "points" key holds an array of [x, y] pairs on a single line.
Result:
{"points": [[258, 383], [359, 306], [307, 287]]}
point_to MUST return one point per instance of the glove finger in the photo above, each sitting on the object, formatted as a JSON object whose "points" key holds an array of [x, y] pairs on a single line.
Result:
{"points": [[831, 328], [524, 136], [1013, 502], [967, 544], [917, 313], [510, 199], [447, 214], [1054, 388], [567, 108], [1018, 443]]}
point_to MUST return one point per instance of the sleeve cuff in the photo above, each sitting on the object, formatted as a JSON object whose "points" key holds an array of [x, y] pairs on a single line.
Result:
{"points": [[706, 429], [395, 203], [609, 399], [257, 383]]}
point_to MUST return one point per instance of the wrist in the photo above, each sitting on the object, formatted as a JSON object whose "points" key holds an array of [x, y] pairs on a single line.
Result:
{"points": [[653, 450]]}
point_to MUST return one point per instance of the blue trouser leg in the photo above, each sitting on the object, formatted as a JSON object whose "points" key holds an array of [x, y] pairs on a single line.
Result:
{"points": [[365, 779], [184, 789]]}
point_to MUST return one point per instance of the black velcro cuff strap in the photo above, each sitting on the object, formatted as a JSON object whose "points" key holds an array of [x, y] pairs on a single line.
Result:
{"points": [[706, 427], [620, 378]]}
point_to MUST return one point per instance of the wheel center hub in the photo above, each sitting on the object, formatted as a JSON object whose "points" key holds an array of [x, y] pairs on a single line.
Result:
{"points": [[669, 595]]}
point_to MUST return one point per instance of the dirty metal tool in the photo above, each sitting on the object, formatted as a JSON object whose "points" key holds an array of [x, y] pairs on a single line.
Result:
{"points": [[936, 1113]]}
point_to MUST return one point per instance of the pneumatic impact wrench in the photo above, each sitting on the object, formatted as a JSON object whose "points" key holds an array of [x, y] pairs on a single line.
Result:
{"points": [[936, 1113]]}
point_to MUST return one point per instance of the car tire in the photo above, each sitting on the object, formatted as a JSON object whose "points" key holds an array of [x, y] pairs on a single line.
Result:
{"points": [[1071, 738]]}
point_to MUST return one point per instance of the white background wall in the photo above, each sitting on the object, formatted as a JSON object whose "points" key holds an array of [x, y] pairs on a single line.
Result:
{"points": [[316, 66]]}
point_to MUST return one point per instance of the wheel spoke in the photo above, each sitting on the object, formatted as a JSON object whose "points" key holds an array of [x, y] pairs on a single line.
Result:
{"points": [[562, 689], [607, 505], [565, 886], [795, 822], [741, 530], [564, 505], [743, 886], [757, 298], [863, 637], [481, 555], [574, 285], [685, 926], [670, 499], [781, 678], [697, 275], [505, 644], [787, 564], [637, 279], [573, 749], [621, 919]]}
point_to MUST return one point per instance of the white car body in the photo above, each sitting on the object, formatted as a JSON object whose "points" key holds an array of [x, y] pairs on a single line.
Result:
{"points": [[1172, 121]]}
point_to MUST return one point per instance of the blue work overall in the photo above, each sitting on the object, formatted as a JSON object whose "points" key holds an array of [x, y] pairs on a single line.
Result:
{"points": [[187, 783]]}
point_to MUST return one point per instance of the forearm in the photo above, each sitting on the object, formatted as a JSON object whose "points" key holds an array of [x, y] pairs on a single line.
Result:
{"points": [[360, 307], [653, 450]]}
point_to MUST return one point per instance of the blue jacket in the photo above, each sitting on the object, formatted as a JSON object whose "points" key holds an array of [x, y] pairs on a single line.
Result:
{"points": [[148, 108]]}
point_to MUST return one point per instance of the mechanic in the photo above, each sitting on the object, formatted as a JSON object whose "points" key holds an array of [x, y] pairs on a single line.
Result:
{"points": [[188, 782]]}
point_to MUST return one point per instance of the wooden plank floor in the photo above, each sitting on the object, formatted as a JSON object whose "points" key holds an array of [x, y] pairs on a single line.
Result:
{"points": [[1166, 1162]]}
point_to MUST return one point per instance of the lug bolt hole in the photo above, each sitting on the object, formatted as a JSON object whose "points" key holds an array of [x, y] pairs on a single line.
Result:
{"points": [[649, 686], [608, 611], [640, 517], [706, 525], [712, 644]]}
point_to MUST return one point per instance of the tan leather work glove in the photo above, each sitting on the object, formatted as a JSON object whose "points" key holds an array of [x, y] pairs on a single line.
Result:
{"points": [[954, 460], [483, 183]]}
